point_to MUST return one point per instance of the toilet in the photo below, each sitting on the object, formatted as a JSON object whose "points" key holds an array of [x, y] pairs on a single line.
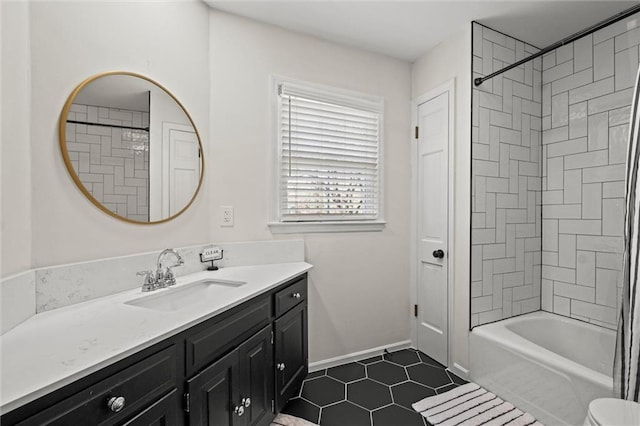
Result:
{"points": [[612, 412]]}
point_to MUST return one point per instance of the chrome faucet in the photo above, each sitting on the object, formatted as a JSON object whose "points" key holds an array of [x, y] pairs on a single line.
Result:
{"points": [[166, 278], [161, 278]]}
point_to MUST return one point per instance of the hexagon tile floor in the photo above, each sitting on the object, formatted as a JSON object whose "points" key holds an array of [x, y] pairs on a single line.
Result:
{"points": [[375, 391]]}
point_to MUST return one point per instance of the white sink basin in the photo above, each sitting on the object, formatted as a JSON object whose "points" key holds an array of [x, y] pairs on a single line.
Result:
{"points": [[182, 297]]}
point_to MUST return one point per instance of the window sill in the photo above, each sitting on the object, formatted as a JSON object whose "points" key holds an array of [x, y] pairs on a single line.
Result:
{"points": [[309, 227]]}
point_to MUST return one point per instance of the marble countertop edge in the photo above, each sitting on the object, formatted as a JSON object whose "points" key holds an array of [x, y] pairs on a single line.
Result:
{"points": [[58, 347]]}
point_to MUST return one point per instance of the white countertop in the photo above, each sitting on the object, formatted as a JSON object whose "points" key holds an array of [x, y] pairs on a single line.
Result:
{"points": [[58, 347]]}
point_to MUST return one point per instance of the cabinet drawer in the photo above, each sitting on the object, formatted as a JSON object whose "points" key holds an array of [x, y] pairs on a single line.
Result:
{"points": [[292, 295], [139, 384], [163, 412], [216, 338]]}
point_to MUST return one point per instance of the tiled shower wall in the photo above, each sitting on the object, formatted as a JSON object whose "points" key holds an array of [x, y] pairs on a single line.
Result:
{"points": [[586, 97], [112, 163], [506, 180]]}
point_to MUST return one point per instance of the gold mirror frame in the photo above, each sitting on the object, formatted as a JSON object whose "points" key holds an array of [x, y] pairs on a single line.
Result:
{"points": [[74, 174]]}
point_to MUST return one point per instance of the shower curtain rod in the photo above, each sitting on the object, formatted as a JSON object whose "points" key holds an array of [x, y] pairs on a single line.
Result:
{"points": [[625, 13]]}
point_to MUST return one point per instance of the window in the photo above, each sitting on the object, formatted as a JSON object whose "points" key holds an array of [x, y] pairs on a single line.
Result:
{"points": [[329, 168]]}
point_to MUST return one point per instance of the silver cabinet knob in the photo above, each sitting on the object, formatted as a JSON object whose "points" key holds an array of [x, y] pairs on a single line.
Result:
{"points": [[296, 295], [246, 402], [239, 410], [116, 403], [280, 366]]}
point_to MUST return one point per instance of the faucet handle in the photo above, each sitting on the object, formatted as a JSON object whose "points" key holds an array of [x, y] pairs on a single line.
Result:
{"points": [[169, 278], [160, 278], [149, 280]]}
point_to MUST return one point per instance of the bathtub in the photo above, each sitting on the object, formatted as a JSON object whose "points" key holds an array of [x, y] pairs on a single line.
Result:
{"points": [[549, 365]]}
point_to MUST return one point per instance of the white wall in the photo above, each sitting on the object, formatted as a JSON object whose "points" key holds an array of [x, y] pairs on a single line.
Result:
{"points": [[15, 176], [219, 66], [167, 41], [359, 289], [452, 59]]}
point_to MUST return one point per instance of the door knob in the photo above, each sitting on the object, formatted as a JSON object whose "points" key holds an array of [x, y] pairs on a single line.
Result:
{"points": [[438, 254], [280, 366]]}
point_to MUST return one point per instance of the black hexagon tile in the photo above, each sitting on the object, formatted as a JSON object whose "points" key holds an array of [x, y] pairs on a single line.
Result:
{"points": [[404, 357], [371, 360], [455, 379], [323, 391], [428, 360], [446, 388], [304, 409], [369, 394], [394, 415], [348, 372], [345, 413], [407, 393], [428, 375], [315, 374], [375, 391], [386, 372]]}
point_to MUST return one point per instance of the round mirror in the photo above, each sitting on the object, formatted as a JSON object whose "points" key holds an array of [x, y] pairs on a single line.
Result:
{"points": [[131, 147]]}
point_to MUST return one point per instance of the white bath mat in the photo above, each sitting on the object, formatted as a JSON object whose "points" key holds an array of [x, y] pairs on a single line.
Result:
{"points": [[288, 420], [471, 405]]}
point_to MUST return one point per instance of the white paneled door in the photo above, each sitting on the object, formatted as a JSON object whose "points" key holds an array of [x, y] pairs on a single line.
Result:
{"points": [[184, 167], [432, 227]]}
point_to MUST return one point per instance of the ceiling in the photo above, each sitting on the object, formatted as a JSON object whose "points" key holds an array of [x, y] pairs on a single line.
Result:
{"points": [[406, 29]]}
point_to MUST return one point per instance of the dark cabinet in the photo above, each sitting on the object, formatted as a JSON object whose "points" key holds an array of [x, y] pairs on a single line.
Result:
{"points": [[237, 390], [214, 393], [164, 412], [255, 358], [238, 368], [291, 358], [208, 341], [113, 400]]}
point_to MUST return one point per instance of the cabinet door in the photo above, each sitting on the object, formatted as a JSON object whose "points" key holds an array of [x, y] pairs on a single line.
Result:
{"points": [[214, 395], [256, 378], [290, 353], [162, 413]]}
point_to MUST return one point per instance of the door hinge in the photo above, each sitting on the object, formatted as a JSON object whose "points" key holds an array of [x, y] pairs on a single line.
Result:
{"points": [[272, 337], [273, 406], [415, 311], [187, 402], [417, 132]]}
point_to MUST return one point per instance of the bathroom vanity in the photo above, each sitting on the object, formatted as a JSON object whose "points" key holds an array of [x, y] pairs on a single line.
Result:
{"points": [[234, 361]]}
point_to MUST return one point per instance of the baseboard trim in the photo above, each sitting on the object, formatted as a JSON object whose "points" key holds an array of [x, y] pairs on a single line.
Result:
{"points": [[459, 371], [356, 356]]}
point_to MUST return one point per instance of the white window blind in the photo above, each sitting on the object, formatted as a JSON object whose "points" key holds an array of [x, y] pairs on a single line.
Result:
{"points": [[329, 149]]}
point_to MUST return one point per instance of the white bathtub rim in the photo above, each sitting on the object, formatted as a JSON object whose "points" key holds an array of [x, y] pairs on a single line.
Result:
{"points": [[497, 333]]}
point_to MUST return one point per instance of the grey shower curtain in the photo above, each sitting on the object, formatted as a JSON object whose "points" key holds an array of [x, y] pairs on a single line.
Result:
{"points": [[626, 371]]}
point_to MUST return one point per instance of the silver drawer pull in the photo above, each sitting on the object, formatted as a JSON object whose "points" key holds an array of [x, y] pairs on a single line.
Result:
{"points": [[246, 402], [280, 366], [296, 295], [116, 403], [239, 410]]}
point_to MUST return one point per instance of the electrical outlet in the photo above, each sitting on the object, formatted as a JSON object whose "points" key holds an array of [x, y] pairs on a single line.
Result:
{"points": [[226, 216]]}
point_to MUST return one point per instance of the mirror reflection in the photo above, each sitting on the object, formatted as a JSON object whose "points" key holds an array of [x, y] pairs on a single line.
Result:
{"points": [[131, 147]]}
